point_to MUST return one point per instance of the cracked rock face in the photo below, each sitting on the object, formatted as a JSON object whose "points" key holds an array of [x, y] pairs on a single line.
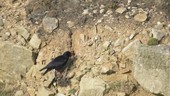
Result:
{"points": [[152, 69], [15, 61]]}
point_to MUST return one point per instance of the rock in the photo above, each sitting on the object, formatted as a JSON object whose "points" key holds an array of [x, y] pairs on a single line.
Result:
{"points": [[15, 58], [34, 72], [85, 12], [132, 35], [101, 11], [44, 92], [141, 17], [119, 42], [131, 48], [22, 31], [21, 39], [107, 69], [31, 91], [35, 41], [152, 70], [59, 94], [121, 94], [70, 24], [157, 34], [91, 87], [8, 34], [109, 12], [106, 44], [49, 24], [13, 32], [94, 11], [120, 10], [19, 93], [1, 21]]}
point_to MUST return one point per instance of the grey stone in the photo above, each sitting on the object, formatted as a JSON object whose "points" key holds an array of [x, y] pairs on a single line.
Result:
{"points": [[140, 17], [120, 10], [14, 61], [132, 35], [70, 24], [152, 68], [35, 41], [91, 87], [158, 34], [101, 10], [49, 24], [119, 42], [23, 32]]}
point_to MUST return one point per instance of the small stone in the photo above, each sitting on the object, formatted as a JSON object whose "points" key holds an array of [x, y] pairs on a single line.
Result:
{"points": [[141, 17], [21, 39], [158, 34], [35, 41], [132, 35], [121, 10], [119, 42], [121, 94], [71, 75], [85, 12], [70, 24], [59, 94], [127, 16], [106, 69], [102, 6], [42, 91], [101, 11], [49, 24], [31, 91], [109, 12], [13, 32], [106, 44], [8, 34], [23, 32], [94, 11], [19, 93]]}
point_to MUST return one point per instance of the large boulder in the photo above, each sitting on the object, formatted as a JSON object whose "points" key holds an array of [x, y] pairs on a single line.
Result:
{"points": [[151, 68], [92, 87], [15, 61]]}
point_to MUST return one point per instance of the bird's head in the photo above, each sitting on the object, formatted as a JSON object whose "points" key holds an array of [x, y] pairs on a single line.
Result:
{"points": [[68, 53]]}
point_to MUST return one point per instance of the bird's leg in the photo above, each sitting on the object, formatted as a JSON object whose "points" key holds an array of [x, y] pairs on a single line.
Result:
{"points": [[54, 80]]}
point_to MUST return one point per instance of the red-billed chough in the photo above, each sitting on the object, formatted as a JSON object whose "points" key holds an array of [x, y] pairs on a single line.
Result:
{"points": [[59, 63]]}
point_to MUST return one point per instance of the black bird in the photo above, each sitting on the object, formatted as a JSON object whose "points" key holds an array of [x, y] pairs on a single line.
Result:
{"points": [[59, 63]]}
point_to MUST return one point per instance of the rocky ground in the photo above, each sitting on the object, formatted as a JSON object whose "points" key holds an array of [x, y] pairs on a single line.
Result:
{"points": [[121, 47]]}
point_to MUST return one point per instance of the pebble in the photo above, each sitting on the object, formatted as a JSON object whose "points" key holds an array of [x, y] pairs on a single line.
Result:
{"points": [[101, 11], [35, 41], [158, 34], [85, 12], [21, 39], [119, 42], [70, 24], [8, 33], [121, 10], [49, 24], [109, 12], [132, 35], [13, 32], [140, 17], [94, 11], [106, 44]]}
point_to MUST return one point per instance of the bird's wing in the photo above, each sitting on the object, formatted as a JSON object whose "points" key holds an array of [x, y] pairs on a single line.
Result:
{"points": [[58, 61]]}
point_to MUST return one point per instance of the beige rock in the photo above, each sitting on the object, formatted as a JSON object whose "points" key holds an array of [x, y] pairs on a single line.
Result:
{"points": [[140, 17], [31, 91], [22, 31], [19, 93], [35, 41], [120, 10], [44, 92]]}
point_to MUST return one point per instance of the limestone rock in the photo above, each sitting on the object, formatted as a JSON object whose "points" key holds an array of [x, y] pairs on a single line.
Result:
{"points": [[22, 31], [152, 68], [140, 17], [44, 92], [120, 10], [158, 34], [91, 87], [35, 41], [15, 58], [131, 48], [49, 24]]}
